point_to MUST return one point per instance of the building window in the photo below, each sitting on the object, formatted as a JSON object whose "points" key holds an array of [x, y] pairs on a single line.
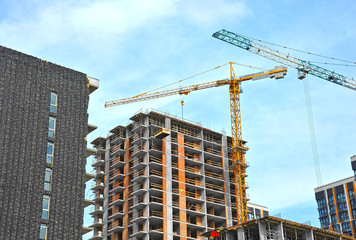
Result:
{"points": [[53, 106], [324, 222], [342, 206], [323, 212], [250, 216], [47, 183], [332, 209], [353, 213], [321, 202], [341, 197], [344, 217], [50, 151], [336, 228], [331, 199], [45, 207], [51, 127], [346, 228], [333, 219], [43, 231], [352, 194]]}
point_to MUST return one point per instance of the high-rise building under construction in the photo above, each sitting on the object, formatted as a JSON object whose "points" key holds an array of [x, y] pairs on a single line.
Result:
{"points": [[163, 178]]}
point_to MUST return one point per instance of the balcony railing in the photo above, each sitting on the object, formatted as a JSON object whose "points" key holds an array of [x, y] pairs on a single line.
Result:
{"points": [[156, 160], [216, 200], [213, 151], [214, 187], [214, 175], [156, 213], [214, 163]]}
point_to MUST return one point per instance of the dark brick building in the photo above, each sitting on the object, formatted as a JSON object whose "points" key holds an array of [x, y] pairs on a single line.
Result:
{"points": [[43, 128]]}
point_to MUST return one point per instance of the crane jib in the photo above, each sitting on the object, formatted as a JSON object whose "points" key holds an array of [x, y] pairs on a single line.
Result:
{"points": [[301, 65]]}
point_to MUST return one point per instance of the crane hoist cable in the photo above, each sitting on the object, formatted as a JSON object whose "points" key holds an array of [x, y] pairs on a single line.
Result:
{"points": [[302, 51]]}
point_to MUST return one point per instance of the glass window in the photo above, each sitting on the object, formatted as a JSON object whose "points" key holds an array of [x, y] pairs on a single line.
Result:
{"points": [[344, 216], [250, 216], [324, 221], [352, 194], [336, 228], [332, 209], [333, 219], [53, 106], [321, 202], [353, 213], [346, 227], [45, 207], [50, 150], [342, 206], [331, 199], [341, 197], [43, 231], [47, 183], [51, 127]]}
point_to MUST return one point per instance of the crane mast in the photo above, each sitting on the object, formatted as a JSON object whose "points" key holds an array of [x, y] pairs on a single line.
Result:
{"points": [[303, 67], [238, 148]]}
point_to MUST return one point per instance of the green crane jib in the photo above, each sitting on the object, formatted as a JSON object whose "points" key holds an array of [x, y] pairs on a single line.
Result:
{"points": [[303, 67]]}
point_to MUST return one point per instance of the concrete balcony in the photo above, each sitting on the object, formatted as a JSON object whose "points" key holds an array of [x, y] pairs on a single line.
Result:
{"points": [[97, 186], [100, 174], [89, 176], [86, 230], [89, 152], [97, 162], [97, 224], [97, 211], [93, 84], [91, 128], [88, 202]]}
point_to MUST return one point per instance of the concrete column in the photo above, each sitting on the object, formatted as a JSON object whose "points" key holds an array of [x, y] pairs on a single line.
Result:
{"points": [[262, 230], [241, 234], [169, 197], [309, 235], [106, 189], [225, 162], [280, 232]]}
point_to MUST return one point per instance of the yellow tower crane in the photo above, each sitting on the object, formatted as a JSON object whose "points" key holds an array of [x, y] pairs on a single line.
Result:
{"points": [[238, 148]]}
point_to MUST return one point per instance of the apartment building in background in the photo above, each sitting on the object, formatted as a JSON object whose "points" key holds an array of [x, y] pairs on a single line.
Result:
{"points": [[163, 178], [337, 204], [43, 128]]}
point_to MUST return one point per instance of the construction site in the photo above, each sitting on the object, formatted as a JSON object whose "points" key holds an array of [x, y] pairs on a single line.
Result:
{"points": [[164, 177]]}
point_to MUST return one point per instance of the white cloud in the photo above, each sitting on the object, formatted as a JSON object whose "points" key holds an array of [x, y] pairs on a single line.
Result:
{"points": [[212, 11], [51, 24]]}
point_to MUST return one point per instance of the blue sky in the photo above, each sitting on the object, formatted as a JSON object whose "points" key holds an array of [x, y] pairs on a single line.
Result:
{"points": [[138, 45]]}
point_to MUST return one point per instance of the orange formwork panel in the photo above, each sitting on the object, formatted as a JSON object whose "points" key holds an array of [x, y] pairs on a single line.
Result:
{"points": [[181, 188], [125, 221]]}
